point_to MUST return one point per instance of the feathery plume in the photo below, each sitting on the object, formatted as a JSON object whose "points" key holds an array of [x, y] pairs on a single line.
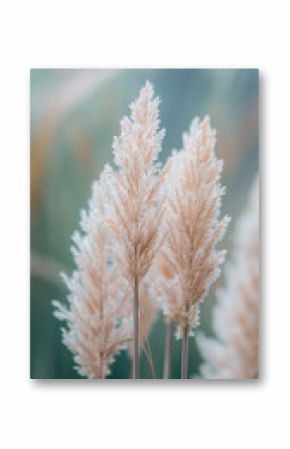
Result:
{"points": [[190, 262], [136, 207], [98, 309], [234, 353]]}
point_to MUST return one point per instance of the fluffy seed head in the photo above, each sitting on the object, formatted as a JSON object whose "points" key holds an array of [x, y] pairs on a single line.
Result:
{"points": [[233, 354], [97, 323], [189, 262], [136, 207]]}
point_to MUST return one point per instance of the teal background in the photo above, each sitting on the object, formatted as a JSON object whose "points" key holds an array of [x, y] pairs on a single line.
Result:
{"points": [[74, 116]]}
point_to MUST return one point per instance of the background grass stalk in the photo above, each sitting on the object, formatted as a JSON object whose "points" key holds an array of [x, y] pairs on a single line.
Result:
{"points": [[168, 349], [136, 355], [184, 359]]}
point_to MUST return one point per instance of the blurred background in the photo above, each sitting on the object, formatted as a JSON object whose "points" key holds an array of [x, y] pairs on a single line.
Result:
{"points": [[74, 116]]}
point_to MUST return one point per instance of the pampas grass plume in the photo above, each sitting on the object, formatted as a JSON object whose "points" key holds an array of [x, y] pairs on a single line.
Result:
{"points": [[137, 205], [97, 315], [233, 354], [189, 262], [149, 232]]}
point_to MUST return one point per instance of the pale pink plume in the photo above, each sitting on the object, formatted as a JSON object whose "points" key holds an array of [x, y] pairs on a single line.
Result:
{"points": [[234, 353], [97, 314], [189, 262], [137, 209], [137, 205]]}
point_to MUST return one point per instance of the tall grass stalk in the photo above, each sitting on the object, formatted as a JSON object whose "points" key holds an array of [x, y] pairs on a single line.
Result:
{"points": [[168, 349], [184, 355], [136, 356], [137, 203], [189, 262]]}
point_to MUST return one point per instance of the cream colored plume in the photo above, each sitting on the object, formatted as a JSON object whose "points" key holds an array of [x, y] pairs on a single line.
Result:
{"points": [[136, 208], [97, 320], [189, 262], [234, 353]]}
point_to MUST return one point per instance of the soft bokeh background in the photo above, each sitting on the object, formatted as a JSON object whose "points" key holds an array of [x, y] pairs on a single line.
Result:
{"points": [[74, 116]]}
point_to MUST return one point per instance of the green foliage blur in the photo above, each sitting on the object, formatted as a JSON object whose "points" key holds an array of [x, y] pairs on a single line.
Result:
{"points": [[74, 116]]}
